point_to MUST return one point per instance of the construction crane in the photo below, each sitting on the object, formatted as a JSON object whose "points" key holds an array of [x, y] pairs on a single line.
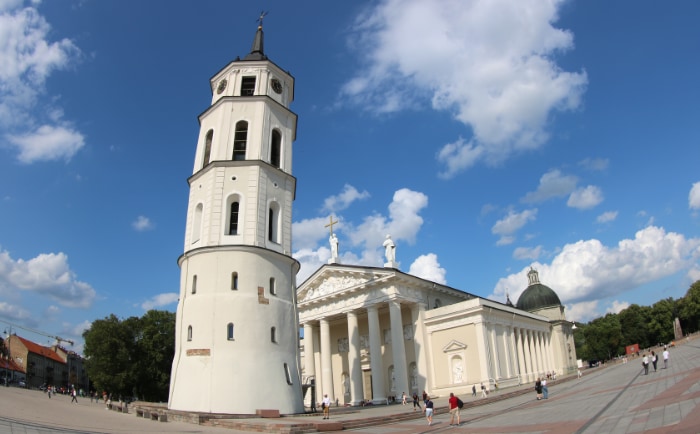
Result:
{"points": [[38, 332]]}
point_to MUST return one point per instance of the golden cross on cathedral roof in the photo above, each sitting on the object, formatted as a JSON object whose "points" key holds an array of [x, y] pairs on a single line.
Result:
{"points": [[331, 223]]}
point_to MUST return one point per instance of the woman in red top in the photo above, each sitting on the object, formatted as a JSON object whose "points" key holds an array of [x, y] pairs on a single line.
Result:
{"points": [[454, 409]]}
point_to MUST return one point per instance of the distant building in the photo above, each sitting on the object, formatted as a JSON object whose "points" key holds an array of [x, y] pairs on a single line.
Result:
{"points": [[38, 365]]}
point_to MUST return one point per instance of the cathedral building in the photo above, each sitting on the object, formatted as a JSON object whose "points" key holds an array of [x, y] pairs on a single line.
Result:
{"points": [[372, 334]]}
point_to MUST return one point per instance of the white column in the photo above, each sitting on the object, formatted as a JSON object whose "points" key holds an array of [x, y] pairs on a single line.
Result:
{"points": [[354, 359], [326, 367], [398, 349], [493, 332], [550, 353], [531, 355], [309, 365], [540, 347], [420, 349], [375, 356], [521, 355], [507, 353], [317, 364]]}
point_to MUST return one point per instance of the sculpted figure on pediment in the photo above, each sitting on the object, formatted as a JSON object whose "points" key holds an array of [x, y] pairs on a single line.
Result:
{"points": [[334, 284]]}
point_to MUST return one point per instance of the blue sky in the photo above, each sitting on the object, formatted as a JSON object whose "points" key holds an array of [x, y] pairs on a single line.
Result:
{"points": [[485, 136]]}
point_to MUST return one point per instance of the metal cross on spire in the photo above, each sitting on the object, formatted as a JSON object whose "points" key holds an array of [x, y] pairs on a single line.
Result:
{"points": [[263, 14], [331, 223]]}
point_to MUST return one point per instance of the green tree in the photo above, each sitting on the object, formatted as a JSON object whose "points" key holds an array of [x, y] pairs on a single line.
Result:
{"points": [[604, 337], [108, 348], [132, 356], [661, 321], [689, 309], [156, 348], [635, 323]]}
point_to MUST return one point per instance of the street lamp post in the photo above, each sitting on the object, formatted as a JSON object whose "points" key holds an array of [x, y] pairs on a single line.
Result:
{"points": [[9, 363]]}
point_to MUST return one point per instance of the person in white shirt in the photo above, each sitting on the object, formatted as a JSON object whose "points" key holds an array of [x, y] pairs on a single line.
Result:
{"points": [[326, 404], [645, 363], [665, 358]]}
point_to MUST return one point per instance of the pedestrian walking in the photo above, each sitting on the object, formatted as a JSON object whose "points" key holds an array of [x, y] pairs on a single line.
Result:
{"points": [[645, 363], [483, 391], [74, 396], [429, 410], [665, 358], [415, 401], [545, 390], [538, 388], [326, 406], [403, 398], [653, 360], [454, 404], [474, 390]]}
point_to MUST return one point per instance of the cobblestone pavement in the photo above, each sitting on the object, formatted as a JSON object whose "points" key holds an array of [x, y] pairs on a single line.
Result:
{"points": [[613, 399]]}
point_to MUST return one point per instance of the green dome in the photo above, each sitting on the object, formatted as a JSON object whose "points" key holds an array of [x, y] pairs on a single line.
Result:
{"points": [[537, 295]]}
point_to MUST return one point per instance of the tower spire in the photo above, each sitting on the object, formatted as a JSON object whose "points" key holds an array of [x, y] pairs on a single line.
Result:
{"points": [[256, 51]]}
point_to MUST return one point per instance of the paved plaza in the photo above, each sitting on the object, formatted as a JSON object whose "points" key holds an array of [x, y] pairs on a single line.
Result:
{"points": [[613, 399]]}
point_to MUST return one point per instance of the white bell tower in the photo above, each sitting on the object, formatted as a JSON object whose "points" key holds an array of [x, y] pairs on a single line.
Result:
{"points": [[236, 338]]}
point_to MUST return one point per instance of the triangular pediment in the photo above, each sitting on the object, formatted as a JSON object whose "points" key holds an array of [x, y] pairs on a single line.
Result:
{"points": [[454, 345], [332, 280]]}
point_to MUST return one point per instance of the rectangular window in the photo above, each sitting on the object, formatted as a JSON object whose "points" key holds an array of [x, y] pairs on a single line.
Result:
{"points": [[288, 374], [240, 141], [248, 86], [233, 225], [273, 288], [229, 332], [194, 284], [234, 281], [273, 335]]}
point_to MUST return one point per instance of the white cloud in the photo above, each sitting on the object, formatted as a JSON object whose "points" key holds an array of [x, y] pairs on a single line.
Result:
{"points": [[308, 232], [617, 306], [160, 300], [15, 313], [595, 164], [531, 253], [694, 273], [27, 59], [403, 223], [585, 198], [47, 143], [552, 184], [496, 74], [582, 312], [48, 275], [588, 270], [427, 267], [344, 199], [142, 223], [512, 223], [694, 196], [359, 244], [606, 217], [459, 156]]}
